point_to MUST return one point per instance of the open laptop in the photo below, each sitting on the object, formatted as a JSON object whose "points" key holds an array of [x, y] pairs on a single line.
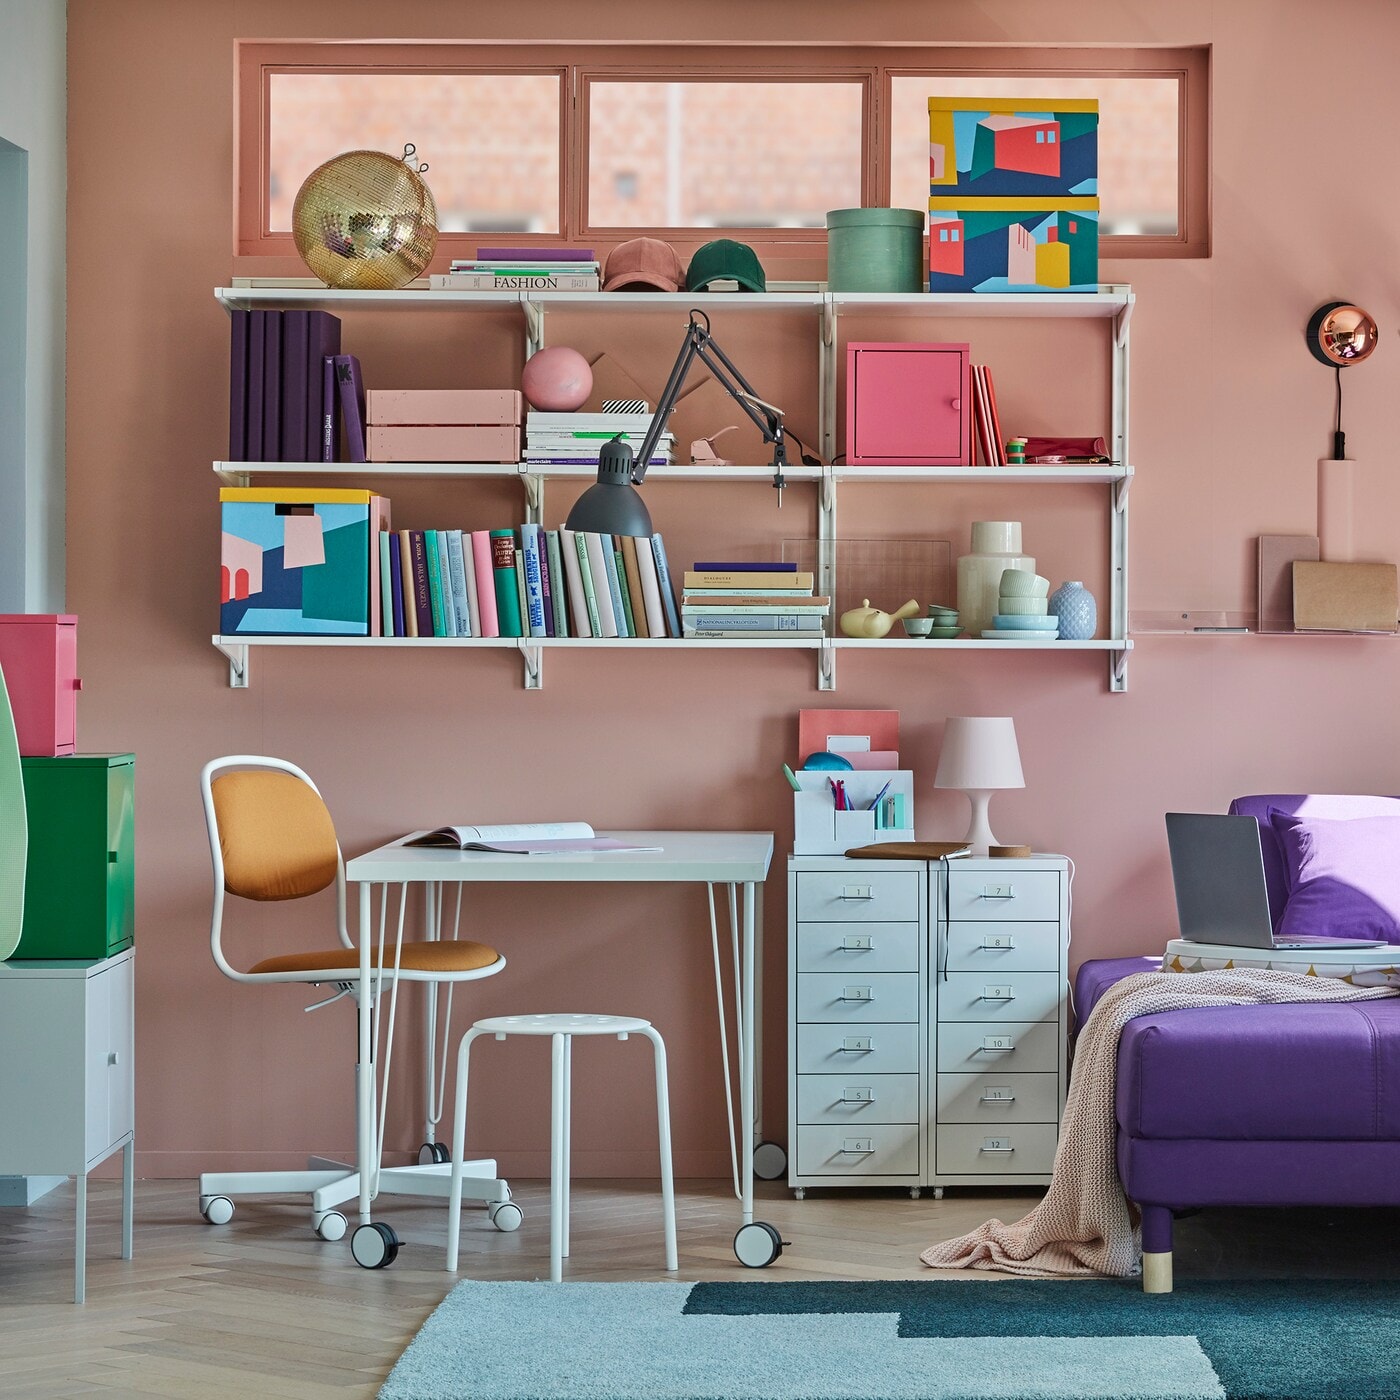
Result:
{"points": [[1221, 895]]}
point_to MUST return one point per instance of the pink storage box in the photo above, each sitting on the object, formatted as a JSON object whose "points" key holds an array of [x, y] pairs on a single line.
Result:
{"points": [[908, 405], [408, 443], [39, 656], [472, 408]]}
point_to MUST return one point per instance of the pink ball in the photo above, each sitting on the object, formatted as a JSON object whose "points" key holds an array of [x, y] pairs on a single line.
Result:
{"points": [[556, 380]]}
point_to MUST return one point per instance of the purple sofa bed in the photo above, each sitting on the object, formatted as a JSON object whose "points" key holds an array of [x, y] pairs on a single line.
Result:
{"points": [[1255, 1105]]}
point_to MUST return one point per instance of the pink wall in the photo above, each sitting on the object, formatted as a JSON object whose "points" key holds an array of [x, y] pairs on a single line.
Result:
{"points": [[1229, 414]]}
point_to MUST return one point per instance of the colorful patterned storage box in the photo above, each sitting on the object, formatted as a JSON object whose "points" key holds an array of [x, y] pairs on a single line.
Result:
{"points": [[1013, 245]]}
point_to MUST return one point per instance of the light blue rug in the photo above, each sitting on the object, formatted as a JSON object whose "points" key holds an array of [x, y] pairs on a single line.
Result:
{"points": [[773, 1341]]}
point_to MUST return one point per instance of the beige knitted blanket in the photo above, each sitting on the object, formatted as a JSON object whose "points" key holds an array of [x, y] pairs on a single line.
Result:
{"points": [[1084, 1224]]}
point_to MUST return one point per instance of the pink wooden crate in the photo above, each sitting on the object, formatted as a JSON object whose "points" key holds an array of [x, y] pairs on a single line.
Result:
{"points": [[407, 443], [39, 656], [908, 405], [439, 407]]}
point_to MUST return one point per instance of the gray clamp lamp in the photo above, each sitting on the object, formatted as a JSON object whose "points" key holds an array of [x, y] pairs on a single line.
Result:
{"points": [[612, 505]]}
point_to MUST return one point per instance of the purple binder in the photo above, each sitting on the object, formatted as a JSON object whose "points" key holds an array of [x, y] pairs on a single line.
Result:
{"points": [[272, 388], [352, 406], [257, 336], [238, 386], [323, 335], [396, 581], [296, 368]]}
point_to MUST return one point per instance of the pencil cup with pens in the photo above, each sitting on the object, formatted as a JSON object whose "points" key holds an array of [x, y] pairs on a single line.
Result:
{"points": [[834, 811]]}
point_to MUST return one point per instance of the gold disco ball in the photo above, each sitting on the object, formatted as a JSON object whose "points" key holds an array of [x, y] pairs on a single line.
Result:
{"points": [[366, 220]]}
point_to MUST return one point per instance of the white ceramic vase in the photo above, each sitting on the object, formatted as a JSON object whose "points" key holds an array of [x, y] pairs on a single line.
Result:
{"points": [[996, 547]]}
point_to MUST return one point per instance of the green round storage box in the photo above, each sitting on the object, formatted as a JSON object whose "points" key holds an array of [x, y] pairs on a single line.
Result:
{"points": [[875, 250]]}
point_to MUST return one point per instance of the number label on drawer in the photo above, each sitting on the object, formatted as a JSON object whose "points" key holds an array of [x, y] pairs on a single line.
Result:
{"points": [[998, 1093], [998, 940], [998, 892], [857, 994], [857, 1044], [856, 892], [998, 1042], [996, 1144], [857, 943], [999, 991], [857, 1093], [858, 1146]]}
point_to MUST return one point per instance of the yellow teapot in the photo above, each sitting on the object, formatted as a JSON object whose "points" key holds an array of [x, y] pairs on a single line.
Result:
{"points": [[866, 621]]}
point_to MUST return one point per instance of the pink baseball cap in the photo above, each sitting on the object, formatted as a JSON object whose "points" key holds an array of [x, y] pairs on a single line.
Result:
{"points": [[641, 263]]}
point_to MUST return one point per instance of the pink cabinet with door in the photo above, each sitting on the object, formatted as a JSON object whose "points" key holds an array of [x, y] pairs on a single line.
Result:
{"points": [[39, 656], [908, 405]]}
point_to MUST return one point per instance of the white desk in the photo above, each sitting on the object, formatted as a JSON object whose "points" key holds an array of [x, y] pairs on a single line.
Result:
{"points": [[738, 860]]}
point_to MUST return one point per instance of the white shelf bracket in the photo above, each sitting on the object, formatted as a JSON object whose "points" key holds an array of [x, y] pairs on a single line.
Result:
{"points": [[828, 490], [1120, 325], [1120, 494], [534, 495], [1118, 670], [826, 665], [828, 323], [534, 326], [237, 655], [533, 656]]}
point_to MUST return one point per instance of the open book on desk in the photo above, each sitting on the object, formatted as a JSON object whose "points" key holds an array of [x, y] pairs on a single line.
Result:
{"points": [[525, 839]]}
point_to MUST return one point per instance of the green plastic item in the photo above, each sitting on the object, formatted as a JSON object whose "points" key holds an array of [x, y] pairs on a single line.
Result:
{"points": [[875, 250], [80, 892], [14, 829]]}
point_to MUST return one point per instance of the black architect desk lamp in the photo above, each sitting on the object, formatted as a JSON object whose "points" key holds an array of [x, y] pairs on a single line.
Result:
{"points": [[612, 505]]}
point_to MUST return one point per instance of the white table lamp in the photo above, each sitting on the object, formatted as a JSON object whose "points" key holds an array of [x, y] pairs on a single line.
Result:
{"points": [[979, 756]]}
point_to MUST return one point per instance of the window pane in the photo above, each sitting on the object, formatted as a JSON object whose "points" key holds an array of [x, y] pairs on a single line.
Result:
{"points": [[491, 141], [1138, 146], [722, 154]]}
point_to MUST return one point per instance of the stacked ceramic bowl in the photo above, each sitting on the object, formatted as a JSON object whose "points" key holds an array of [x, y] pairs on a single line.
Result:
{"points": [[1023, 610], [945, 623]]}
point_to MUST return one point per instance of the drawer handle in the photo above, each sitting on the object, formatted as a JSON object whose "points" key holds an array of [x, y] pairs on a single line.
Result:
{"points": [[856, 994], [998, 1042], [857, 1147], [113, 857], [997, 943], [857, 943], [857, 1045], [998, 892], [856, 892], [997, 1096], [113, 1058], [990, 1146], [997, 994], [857, 1093]]}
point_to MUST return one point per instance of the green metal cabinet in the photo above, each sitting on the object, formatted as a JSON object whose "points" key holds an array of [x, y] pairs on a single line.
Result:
{"points": [[80, 882]]}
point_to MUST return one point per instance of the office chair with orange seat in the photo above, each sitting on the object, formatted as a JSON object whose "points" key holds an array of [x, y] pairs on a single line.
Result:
{"points": [[271, 838]]}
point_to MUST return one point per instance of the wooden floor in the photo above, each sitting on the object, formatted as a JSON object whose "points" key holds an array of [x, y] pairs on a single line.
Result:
{"points": [[260, 1308]]}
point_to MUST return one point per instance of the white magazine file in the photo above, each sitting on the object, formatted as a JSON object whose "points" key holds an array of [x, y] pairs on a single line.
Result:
{"points": [[820, 830]]}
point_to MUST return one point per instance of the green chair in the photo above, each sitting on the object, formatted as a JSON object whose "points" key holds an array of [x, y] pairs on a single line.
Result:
{"points": [[14, 830]]}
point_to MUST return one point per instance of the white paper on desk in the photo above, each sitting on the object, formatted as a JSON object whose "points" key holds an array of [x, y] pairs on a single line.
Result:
{"points": [[848, 743], [582, 845], [525, 838]]}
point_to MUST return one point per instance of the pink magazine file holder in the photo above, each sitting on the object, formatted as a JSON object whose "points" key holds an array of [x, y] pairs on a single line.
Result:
{"points": [[39, 655]]}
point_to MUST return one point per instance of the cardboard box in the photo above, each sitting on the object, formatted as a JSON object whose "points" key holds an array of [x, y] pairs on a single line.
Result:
{"points": [[39, 656], [1013, 245], [435, 407], [1013, 147], [419, 443], [1344, 597]]}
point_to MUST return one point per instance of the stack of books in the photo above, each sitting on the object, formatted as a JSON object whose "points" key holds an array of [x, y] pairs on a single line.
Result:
{"points": [[578, 437], [281, 394], [522, 269], [758, 601], [523, 582]]}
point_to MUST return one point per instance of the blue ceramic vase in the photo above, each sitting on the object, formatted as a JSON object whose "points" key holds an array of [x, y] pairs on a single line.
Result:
{"points": [[1074, 605]]}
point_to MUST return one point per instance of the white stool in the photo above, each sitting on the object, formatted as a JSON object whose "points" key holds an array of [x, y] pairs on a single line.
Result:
{"points": [[561, 1028]]}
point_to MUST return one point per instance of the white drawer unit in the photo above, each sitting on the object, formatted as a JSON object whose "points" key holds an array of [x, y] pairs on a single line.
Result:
{"points": [[927, 1005]]}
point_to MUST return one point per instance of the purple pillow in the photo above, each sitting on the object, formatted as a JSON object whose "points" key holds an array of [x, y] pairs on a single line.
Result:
{"points": [[1343, 877]]}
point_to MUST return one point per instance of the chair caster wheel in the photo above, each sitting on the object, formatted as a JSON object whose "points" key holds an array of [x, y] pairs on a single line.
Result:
{"points": [[757, 1245], [374, 1246], [331, 1226], [770, 1161], [217, 1210], [433, 1154], [505, 1215]]}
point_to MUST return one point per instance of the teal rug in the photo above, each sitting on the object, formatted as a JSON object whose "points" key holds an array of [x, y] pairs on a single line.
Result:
{"points": [[939, 1339]]}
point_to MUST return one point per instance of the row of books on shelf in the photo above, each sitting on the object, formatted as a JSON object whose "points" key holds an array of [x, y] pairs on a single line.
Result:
{"points": [[319, 561], [517, 269]]}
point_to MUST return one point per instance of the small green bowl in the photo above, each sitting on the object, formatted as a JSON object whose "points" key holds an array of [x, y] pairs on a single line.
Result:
{"points": [[917, 626], [936, 610], [945, 634]]}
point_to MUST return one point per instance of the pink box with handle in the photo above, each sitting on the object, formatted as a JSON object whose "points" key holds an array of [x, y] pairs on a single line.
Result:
{"points": [[443, 407], [908, 405], [39, 656], [421, 443]]}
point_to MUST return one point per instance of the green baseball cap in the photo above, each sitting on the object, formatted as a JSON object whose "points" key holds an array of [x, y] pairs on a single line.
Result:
{"points": [[722, 259]]}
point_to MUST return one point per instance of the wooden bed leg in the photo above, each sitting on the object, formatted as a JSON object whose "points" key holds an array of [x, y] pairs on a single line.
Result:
{"points": [[1156, 1273]]}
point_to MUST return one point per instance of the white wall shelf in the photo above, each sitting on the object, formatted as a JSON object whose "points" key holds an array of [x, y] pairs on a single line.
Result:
{"points": [[1111, 304]]}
